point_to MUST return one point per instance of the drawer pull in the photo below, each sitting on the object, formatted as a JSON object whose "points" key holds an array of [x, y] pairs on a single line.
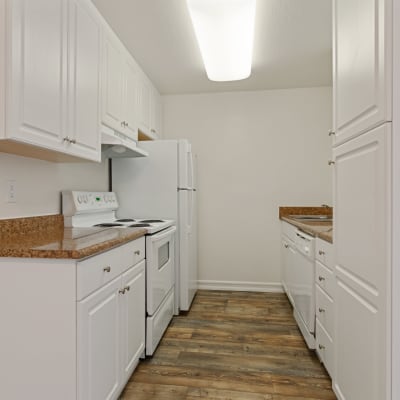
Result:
{"points": [[127, 288], [321, 278], [321, 347], [321, 252], [286, 246], [137, 252], [107, 269], [321, 310], [122, 291]]}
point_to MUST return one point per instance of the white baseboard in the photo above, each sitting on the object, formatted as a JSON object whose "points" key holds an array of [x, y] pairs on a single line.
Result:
{"points": [[273, 287]]}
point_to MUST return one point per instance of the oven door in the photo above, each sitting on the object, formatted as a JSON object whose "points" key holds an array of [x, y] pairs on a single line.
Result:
{"points": [[160, 267]]}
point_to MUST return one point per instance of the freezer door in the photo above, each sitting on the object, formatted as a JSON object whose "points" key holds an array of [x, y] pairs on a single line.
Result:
{"points": [[188, 248]]}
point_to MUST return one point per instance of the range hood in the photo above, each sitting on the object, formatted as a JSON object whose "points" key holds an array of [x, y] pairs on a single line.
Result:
{"points": [[117, 145]]}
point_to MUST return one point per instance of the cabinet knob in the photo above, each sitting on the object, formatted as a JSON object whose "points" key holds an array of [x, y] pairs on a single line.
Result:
{"points": [[67, 139], [123, 124], [122, 291], [107, 269], [321, 347], [127, 288], [137, 253], [321, 278], [73, 141], [321, 310], [331, 133], [331, 162], [321, 252], [286, 246]]}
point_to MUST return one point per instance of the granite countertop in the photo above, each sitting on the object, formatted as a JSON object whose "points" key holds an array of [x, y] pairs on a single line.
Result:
{"points": [[321, 229], [46, 237]]}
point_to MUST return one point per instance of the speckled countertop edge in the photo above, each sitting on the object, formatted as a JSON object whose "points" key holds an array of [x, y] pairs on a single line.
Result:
{"points": [[323, 231], [46, 237]]}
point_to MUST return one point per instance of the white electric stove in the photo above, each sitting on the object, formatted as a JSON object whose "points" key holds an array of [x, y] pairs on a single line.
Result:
{"points": [[98, 210]]}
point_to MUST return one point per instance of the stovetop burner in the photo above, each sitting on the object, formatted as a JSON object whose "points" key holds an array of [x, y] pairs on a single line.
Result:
{"points": [[125, 220], [108, 224], [139, 225], [149, 221]]}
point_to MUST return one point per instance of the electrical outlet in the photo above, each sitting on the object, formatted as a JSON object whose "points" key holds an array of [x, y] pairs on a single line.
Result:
{"points": [[11, 191]]}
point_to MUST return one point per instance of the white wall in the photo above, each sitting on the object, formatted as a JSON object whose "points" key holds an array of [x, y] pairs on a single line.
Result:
{"points": [[256, 151], [38, 184]]}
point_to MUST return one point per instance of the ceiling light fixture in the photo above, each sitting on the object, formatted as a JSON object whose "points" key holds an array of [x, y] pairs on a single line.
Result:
{"points": [[225, 32]]}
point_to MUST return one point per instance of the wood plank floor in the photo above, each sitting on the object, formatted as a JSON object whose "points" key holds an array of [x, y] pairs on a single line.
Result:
{"points": [[232, 346]]}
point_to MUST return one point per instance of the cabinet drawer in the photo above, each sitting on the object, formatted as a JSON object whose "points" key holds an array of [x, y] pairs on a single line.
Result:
{"points": [[95, 271], [324, 252], [324, 310], [134, 251], [289, 231], [324, 347], [324, 278]]}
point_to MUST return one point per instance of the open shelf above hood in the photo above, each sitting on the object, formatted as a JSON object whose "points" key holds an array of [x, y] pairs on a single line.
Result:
{"points": [[116, 145]]}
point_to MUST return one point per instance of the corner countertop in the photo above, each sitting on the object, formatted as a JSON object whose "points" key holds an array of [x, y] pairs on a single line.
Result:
{"points": [[46, 237], [320, 229]]}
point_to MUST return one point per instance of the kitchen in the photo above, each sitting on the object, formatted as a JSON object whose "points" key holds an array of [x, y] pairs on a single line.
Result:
{"points": [[236, 134]]}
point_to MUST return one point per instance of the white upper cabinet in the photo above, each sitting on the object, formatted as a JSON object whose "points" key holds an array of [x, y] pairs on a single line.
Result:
{"points": [[50, 57], [37, 77], [119, 88], [143, 101], [84, 82], [361, 67], [149, 110], [155, 114]]}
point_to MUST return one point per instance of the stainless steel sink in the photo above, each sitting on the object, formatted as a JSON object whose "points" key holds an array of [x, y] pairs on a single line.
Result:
{"points": [[320, 217]]}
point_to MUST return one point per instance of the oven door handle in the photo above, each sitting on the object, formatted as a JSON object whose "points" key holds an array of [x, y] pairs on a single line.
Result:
{"points": [[163, 234]]}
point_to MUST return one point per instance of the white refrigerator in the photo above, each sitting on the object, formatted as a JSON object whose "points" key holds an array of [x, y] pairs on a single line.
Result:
{"points": [[163, 185]]}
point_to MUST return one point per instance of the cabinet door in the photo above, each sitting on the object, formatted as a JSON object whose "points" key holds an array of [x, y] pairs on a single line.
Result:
{"points": [[362, 266], [130, 100], [38, 72], [133, 318], [99, 344], [143, 101], [84, 72], [155, 114], [362, 61], [112, 84]]}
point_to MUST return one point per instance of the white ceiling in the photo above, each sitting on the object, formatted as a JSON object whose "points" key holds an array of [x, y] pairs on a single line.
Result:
{"points": [[292, 44]]}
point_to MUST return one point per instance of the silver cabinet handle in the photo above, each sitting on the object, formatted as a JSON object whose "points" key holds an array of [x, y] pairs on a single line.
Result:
{"points": [[67, 139], [286, 246], [137, 253], [127, 288], [331, 133], [122, 291], [321, 347], [321, 310], [107, 269], [331, 162], [321, 252], [73, 141], [321, 278]]}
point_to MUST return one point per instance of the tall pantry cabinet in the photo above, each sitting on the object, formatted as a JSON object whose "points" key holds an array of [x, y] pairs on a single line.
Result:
{"points": [[362, 156]]}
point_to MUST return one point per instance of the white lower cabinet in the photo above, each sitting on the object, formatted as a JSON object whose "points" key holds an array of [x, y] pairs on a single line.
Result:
{"points": [[99, 342], [78, 330], [111, 335]]}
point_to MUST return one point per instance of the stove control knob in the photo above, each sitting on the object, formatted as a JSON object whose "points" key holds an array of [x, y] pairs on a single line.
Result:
{"points": [[79, 198]]}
